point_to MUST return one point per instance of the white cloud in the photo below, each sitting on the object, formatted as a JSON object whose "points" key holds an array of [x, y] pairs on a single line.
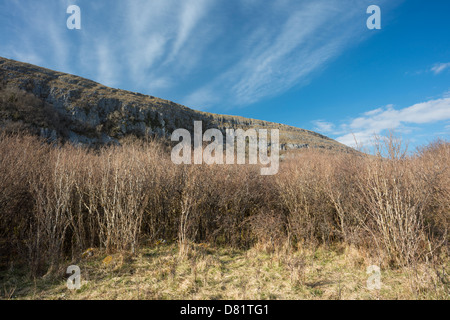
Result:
{"points": [[107, 72], [376, 121], [160, 83], [191, 51], [323, 126], [39, 29], [282, 56], [440, 67], [376, 111], [162, 41], [193, 11]]}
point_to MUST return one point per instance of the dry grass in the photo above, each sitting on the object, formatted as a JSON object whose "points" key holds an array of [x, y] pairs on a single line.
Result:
{"points": [[157, 272]]}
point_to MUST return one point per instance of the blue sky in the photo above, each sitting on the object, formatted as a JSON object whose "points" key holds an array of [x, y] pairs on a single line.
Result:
{"points": [[310, 64]]}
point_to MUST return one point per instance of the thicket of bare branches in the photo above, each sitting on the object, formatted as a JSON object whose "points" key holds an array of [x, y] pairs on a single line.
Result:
{"points": [[58, 201]]}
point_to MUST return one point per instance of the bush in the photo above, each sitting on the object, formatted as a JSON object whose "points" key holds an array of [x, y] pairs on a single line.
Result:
{"points": [[58, 201]]}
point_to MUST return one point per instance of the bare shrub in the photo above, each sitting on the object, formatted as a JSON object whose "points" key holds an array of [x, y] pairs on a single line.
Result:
{"points": [[84, 227], [433, 167], [269, 229], [302, 190], [393, 201], [192, 195], [241, 193], [160, 219], [58, 201], [341, 189], [123, 196], [51, 188], [19, 156]]}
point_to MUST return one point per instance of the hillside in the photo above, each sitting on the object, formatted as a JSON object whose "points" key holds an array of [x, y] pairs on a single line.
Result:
{"points": [[57, 105], [138, 226]]}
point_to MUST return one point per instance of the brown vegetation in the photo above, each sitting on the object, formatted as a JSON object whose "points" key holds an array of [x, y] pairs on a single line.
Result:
{"points": [[58, 201]]}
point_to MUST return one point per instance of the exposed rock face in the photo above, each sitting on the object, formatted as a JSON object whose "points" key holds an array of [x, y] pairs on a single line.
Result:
{"points": [[292, 146], [95, 114]]}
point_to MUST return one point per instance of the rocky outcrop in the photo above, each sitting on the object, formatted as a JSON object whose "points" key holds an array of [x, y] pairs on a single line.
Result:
{"points": [[95, 114]]}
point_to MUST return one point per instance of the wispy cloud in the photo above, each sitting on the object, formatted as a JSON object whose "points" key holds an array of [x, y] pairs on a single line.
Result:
{"points": [[285, 54], [191, 51], [107, 72], [323, 126], [144, 44], [162, 41], [39, 38], [191, 14], [376, 121], [440, 67]]}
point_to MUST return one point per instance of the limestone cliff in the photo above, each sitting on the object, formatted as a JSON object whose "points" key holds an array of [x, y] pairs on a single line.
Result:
{"points": [[57, 105]]}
